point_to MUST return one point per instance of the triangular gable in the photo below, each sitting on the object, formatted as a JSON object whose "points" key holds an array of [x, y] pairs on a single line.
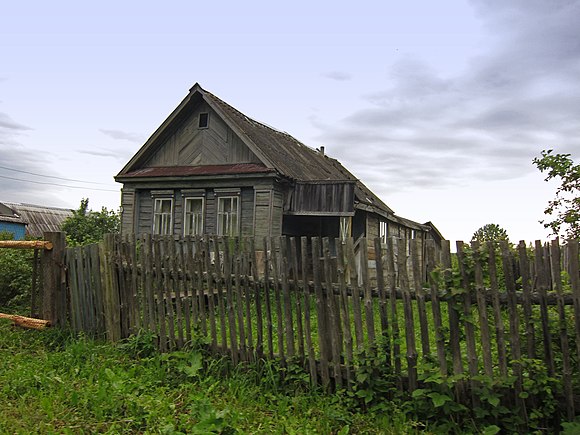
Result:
{"points": [[179, 141]]}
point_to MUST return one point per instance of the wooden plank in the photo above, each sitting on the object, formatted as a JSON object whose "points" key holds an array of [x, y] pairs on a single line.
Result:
{"points": [[323, 332], [436, 309], [248, 292], [168, 288], [420, 298], [344, 304], [34, 292], [356, 306], [556, 269], [368, 299], [201, 282], [161, 319], [497, 312], [542, 283], [472, 362], [96, 284], [176, 271], [574, 274], [383, 313], [135, 294], [482, 309], [277, 299], [408, 312], [149, 283], [227, 260], [71, 263], [526, 292], [121, 278], [267, 293], [210, 270], [239, 305], [297, 292], [307, 315], [220, 292], [288, 317], [334, 325], [391, 286], [258, 299], [184, 286]]}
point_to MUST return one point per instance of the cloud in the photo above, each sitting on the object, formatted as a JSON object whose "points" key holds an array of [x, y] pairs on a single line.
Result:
{"points": [[339, 76], [121, 155], [122, 135], [7, 123], [425, 130]]}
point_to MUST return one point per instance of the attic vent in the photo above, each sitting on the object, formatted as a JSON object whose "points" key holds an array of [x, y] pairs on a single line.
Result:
{"points": [[203, 120]]}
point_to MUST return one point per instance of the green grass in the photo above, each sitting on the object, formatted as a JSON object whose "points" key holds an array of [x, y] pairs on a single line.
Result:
{"points": [[51, 382]]}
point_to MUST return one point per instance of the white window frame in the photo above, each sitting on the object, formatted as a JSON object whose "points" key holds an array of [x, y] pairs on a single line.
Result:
{"points": [[383, 230], [198, 224], [228, 230], [162, 221]]}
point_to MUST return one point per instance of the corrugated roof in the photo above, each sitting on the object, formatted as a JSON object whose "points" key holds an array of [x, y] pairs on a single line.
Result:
{"points": [[40, 219], [8, 214]]}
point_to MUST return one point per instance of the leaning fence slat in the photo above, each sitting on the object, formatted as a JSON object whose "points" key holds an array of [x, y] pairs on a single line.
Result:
{"points": [[482, 309], [323, 331], [258, 300], [344, 305], [307, 326], [168, 287], [161, 324], [574, 274], [526, 293], [368, 300], [220, 291], [420, 296], [277, 297], [497, 311], [176, 271], [288, 317], [356, 307], [239, 306], [267, 298], [96, 284], [297, 291], [150, 285], [121, 276], [391, 285], [210, 292], [556, 268], [333, 316], [71, 262], [408, 312], [467, 314], [543, 282], [186, 302], [247, 296], [383, 314], [227, 262], [436, 309]]}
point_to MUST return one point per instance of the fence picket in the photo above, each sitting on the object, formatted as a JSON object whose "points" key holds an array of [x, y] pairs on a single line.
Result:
{"points": [[408, 312], [482, 309]]}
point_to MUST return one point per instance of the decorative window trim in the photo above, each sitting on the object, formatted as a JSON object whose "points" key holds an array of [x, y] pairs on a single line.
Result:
{"points": [[160, 218], [185, 215], [228, 191], [162, 193], [221, 231]]}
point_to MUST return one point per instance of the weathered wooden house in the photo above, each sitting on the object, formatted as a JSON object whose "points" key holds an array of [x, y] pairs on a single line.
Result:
{"points": [[11, 222], [37, 218], [210, 169]]}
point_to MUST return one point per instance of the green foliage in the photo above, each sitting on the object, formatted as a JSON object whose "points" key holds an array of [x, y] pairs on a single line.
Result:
{"points": [[490, 233], [15, 273], [86, 226], [564, 209]]}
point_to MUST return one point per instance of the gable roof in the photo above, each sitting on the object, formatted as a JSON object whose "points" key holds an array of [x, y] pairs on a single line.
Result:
{"points": [[276, 150], [40, 219], [8, 214]]}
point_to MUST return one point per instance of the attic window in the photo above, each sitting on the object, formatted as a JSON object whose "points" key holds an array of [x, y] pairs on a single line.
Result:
{"points": [[203, 120]]}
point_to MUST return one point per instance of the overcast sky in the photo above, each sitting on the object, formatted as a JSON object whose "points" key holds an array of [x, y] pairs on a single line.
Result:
{"points": [[439, 107]]}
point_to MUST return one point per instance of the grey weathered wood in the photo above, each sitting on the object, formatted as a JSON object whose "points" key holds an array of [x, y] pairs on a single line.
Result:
{"points": [[201, 282], [54, 296], [368, 300], [182, 249], [297, 291], [482, 309], [526, 292], [268, 304], [161, 313], [307, 315], [220, 291], [277, 297], [288, 317], [391, 283], [543, 283], [436, 309], [168, 289], [176, 271], [574, 274], [409, 318], [210, 270], [334, 325], [258, 300], [323, 332], [420, 297], [356, 307], [556, 269], [497, 312], [383, 313], [248, 293], [345, 309], [239, 305], [230, 300], [468, 323]]}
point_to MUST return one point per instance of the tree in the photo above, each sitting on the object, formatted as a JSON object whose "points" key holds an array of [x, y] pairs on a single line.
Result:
{"points": [[490, 233], [86, 226], [564, 209]]}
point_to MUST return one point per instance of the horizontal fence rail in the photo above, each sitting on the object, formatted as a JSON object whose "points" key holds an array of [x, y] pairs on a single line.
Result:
{"points": [[329, 304]]}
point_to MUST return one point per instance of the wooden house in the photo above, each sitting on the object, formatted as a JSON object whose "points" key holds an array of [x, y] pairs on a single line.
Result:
{"points": [[11, 222], [39, 219], [210, 169]]}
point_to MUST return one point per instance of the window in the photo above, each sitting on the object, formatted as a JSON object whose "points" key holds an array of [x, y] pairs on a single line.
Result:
{"points": [[383, 231], [345, 228], [203, 120], [163, 216], [227, 216], [193, 216]]}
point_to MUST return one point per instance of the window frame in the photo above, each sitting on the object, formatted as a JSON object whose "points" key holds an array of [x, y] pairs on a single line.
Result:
{"points": [[383, 230], [158, 216], [186, 200], [220, 231]]}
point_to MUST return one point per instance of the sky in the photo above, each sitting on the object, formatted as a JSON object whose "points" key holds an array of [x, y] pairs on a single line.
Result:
{"points": [[438, 107]]}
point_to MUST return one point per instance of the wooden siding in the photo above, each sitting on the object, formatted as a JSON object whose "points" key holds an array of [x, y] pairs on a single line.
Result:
{"points": [[262, 213], [322, 198], [145, 215], [277, 213], [190, 145], [127, 210]]}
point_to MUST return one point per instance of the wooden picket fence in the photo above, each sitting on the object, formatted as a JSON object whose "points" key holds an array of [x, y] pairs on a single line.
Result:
{"points": [[329, 304]]}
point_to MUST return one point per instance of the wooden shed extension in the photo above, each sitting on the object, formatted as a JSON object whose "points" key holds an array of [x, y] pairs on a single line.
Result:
{"points": [[39, 218]]}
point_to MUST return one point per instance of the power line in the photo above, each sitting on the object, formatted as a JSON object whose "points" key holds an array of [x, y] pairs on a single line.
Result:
{"points": [[56, 184], [52, 176]]}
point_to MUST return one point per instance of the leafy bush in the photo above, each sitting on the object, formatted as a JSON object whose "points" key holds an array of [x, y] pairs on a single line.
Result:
{"points": [[86, 226], [15, 273]]}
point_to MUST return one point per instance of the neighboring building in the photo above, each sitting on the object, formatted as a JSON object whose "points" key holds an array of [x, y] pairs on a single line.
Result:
{"points": [[11, 222], [210, 169], [38, 219]]}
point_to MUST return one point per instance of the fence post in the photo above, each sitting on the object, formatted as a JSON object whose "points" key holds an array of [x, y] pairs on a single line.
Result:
{"points": [[53, 300]]}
